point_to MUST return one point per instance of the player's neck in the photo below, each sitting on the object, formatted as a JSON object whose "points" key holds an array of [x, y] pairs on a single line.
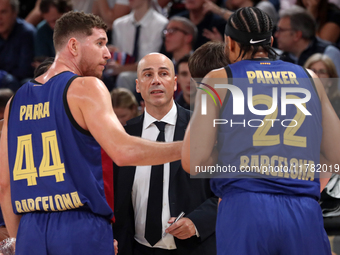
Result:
{"points": [[259, 54], [59, 65]]}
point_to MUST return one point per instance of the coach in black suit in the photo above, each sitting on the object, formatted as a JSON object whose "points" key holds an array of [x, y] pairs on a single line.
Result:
{"points": [[193, 234]]}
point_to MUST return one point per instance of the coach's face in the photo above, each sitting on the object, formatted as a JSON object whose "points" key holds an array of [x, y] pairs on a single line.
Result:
{"points": [[156, 81], [52, 16]]}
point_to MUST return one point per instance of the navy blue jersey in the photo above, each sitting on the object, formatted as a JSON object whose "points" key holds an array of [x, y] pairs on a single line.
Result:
{"points": [[274, 143], [55, 165]]}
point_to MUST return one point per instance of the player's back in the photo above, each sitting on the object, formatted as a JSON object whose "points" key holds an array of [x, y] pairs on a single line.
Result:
{"points": [[273, 144], [55, 165]]}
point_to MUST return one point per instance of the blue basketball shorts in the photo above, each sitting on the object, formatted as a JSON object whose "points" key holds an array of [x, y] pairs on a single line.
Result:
{"points": [[70, 232], [251, 223]]}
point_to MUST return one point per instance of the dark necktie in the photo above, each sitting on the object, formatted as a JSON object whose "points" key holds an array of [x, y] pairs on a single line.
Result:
{"points": [[153, 224], [135, 45]]}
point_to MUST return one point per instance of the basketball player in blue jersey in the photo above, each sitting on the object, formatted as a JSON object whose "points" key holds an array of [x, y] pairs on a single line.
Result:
{"points": [[51, 173], [272, 209]]}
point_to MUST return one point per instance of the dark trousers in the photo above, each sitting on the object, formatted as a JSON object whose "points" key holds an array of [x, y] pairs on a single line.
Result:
{"points": [[144, 250]]}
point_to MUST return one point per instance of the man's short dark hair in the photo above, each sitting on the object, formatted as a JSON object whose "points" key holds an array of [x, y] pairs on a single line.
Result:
{"points": [[62, 6], [206, 58], [188, 26], [184, 59], [300, 20], [75, 23]]}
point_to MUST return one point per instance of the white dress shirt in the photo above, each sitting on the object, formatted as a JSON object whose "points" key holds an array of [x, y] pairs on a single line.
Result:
{"points": [[113, 2], [150, 36], [87, 5], [140, 188]]}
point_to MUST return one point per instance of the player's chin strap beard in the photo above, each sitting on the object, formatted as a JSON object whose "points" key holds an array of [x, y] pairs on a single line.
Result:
{"points": [[248, 38]]}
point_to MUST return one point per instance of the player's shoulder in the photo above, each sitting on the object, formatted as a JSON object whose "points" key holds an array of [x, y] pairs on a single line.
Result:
{"points": [[84, 90], [87, 84], [85, 80], [217, 73]]}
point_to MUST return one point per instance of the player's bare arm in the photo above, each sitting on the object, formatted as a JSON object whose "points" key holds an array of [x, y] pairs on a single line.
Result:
{"points": [[11, 220], [103, 124], [330, 143], [202, 150], [186, 150]]}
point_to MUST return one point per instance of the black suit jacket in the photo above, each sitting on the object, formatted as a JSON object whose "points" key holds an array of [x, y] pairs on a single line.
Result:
{"points": [[193, 196]]}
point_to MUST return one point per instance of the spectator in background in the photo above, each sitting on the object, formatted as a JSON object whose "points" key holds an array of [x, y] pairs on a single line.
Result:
{"points": [[16, 42], [263, 5], [180, 36], [325, 69], [137, 34], [327, 18], [124, 104], [51, 10], [186, 97], [172, 7], [111, 10], [8, 81], [25, 6], [83, 5], [233, 5], [34, 16], [203, 20], [295, 36]]}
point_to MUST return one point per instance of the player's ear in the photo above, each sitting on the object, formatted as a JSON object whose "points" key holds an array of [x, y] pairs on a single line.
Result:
{"points": [[271, 41], [73, 46], [231, 44]]}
